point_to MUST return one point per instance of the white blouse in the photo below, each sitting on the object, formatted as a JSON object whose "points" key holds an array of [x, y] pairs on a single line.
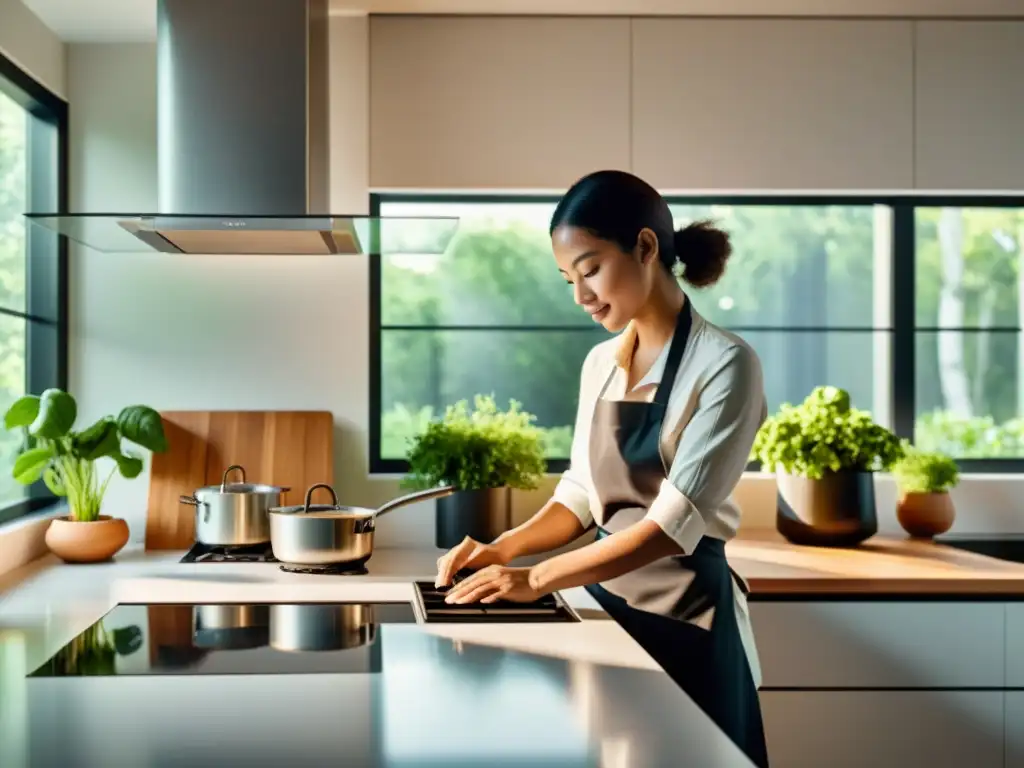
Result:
{"points": [[717, 404]]}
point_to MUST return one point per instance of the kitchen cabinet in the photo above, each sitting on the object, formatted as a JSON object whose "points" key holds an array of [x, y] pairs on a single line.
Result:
{"points": [[750, 104], [881, 644], [969, 105], [1014, 720], [496, 102], [848, 729], [1015, 645]]}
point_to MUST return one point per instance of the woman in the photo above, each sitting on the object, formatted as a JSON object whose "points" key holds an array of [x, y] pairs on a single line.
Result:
{"points": [[668, 411]]}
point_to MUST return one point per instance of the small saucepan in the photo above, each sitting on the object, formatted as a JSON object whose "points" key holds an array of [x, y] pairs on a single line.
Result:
{"points": [[234, 514], [332, 534]]}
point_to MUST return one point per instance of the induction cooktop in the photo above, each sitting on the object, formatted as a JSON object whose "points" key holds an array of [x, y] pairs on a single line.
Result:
{"points": [[433, 609], [229, 638]]}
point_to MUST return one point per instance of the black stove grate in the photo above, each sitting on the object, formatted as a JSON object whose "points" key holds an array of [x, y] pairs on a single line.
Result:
{"points": [[208, 553], [341, 569], [435, 609]]}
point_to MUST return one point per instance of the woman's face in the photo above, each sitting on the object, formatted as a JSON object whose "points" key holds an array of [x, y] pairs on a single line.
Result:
{"points": [[610, 284]]}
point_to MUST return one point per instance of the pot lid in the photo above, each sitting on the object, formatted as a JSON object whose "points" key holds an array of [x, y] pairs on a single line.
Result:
{"points": [[243, 488]]}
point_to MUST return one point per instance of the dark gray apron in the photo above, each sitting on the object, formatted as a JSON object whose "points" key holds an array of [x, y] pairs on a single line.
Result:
{"points": [[679, 609]]}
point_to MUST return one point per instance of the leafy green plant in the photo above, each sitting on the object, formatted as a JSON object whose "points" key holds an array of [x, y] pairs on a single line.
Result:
{"points": [[825, 433], [925, 471], [479, 448], [66, 460]]}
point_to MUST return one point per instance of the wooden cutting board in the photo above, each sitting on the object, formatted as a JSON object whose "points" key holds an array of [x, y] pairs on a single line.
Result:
{"points": [[285, 448]]}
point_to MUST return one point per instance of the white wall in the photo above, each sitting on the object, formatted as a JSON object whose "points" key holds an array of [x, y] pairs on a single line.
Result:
{"points": [[233, 333], [31, 45]]}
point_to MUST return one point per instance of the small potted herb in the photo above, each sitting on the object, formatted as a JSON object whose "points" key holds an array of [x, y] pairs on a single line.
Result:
{"points": [[923, 478], [824, 453], [484, 453], [68, 462]]}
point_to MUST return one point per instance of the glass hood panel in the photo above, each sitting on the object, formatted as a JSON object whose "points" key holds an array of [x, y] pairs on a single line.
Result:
{"points": [[251, 235]]}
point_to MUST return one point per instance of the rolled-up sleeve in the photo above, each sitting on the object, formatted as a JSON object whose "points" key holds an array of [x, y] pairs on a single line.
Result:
{"points": [[714, 447], [573, 488]]}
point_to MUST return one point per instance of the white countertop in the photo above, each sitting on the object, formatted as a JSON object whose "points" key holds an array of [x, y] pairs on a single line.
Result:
{"points": [[448, 694]]}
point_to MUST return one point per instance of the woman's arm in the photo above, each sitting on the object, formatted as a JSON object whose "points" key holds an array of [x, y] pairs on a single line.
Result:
{"points": [[553, 526]]}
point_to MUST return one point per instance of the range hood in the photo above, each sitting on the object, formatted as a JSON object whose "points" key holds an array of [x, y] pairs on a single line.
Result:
{"points": [[243, 143]]}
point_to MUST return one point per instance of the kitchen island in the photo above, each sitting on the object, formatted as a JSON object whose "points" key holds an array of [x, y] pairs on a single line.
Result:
{"points": [[538, 694]]}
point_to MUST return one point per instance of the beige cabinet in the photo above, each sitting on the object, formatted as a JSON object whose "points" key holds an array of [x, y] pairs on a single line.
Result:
{"points": [[865, 729], [969, 105], [764, 104], [497, 102], [881, 644]]}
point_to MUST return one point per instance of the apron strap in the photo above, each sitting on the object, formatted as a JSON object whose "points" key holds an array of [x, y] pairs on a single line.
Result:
{"points": [[675, 354]]}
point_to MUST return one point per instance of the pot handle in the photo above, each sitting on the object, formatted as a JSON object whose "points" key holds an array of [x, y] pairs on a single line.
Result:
{"points": [[224, 478], [412, 498], [191, 500], [309, 495]]}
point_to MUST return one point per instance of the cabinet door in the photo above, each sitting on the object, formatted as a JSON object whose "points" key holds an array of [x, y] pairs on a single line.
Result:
{"points": [[1015, 645], [732, 104], [496, 102], [854, 729], [969, 110], [880, 645]]}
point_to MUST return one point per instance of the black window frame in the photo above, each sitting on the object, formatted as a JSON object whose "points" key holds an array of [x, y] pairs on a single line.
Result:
{"points": [[46, 257], [902, 298]]}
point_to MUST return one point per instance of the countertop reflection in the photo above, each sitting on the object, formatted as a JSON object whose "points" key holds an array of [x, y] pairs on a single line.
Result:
{"points": [[436, 701]]}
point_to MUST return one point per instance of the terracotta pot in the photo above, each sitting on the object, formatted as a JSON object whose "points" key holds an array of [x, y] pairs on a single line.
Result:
{"points": [[924, 515], [92, 542]]}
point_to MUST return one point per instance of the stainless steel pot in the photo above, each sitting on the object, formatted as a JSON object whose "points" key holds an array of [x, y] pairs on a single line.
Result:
{"points": [[331, 534], [234, 514], [230, 627], [316, 627]]}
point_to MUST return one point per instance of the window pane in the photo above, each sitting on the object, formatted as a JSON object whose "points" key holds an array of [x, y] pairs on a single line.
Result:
{"points": [[12, 386], [806, 266], [425, 371], [968, 393], [968, 267], [796, 362], [14, 122]]}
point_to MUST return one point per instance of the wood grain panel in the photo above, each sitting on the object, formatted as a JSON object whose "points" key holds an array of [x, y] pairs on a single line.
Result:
{"points": [[287, 448]]}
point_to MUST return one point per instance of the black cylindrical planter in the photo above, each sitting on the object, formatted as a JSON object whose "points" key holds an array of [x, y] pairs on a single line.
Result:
{"points": [[836, 511], [482, 515]]}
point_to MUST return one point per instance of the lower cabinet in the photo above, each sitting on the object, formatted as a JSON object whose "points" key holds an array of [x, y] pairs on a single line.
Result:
{"points": [[1014, 729], [851, 729]]}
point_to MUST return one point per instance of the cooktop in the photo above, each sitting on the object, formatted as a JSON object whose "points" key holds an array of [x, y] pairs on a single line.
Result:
{"points": [[433, 609], [229, 638]]}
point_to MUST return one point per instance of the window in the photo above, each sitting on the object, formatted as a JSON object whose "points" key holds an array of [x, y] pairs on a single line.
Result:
{"points": [[911, 304], [33, 317], [969, 362]]}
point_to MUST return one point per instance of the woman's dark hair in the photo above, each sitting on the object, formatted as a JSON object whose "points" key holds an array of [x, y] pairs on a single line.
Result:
{"points": [[615, 206]]}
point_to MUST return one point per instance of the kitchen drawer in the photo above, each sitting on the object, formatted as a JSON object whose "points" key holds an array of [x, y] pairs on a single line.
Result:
{"points": [[880, 644], [848, 729], [1014, 729]]}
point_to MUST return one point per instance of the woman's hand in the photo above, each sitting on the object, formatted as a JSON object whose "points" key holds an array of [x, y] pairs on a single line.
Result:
{"points": [[493, 583], [469, 553]]}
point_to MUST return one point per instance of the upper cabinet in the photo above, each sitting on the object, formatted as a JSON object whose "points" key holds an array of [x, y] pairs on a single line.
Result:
{"points": [[773, 104], [499, 102], [969, 120]]}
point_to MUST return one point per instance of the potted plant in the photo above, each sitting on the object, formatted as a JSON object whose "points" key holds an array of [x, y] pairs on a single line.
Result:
{"points": [[923, 478], [484, 453], [67, 462], [824, 453]]}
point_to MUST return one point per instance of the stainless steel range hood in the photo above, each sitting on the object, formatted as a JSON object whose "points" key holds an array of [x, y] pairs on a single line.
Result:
{"points": [[243, 143]]}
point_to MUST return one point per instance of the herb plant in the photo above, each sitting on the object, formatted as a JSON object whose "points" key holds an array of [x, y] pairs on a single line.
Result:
{"points": [[925, 471], [479, 448], [66, 460], [825, 433]]}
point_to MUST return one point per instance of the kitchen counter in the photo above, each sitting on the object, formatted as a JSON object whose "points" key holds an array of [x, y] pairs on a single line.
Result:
{"points": [[575, 694], [884, 567]]}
